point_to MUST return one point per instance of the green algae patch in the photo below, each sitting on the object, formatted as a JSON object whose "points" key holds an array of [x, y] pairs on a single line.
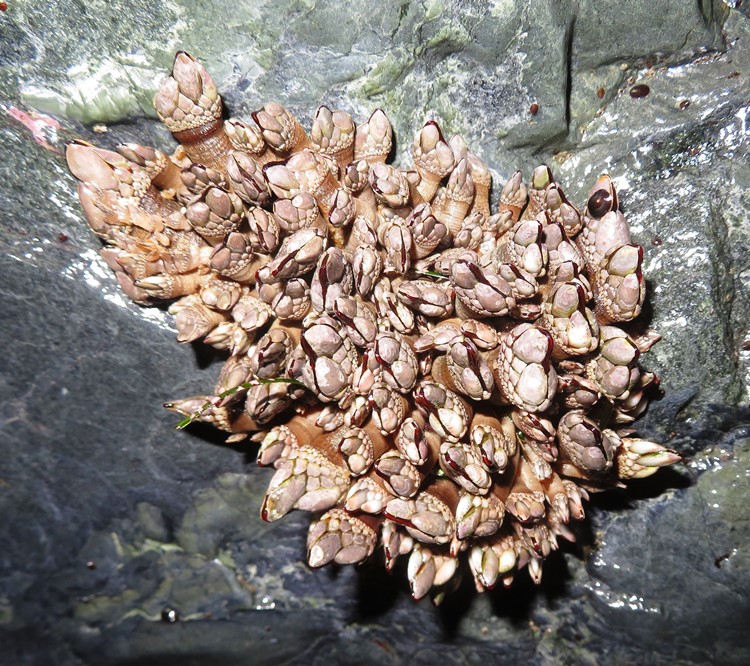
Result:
{"points": [[386, 73], [107, 93]]}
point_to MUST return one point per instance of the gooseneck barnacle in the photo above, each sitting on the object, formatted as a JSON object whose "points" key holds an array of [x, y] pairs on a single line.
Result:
{"points": [[421, 373]]}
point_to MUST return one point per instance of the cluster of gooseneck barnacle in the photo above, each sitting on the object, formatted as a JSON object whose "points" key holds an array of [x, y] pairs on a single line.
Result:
{"points": [[418, 371]]}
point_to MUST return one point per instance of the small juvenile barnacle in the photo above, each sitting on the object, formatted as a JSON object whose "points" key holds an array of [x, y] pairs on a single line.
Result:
{"points": [[430, 375]]}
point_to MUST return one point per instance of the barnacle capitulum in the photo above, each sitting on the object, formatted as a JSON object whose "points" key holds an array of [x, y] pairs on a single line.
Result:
{"points": [[421, 372]]}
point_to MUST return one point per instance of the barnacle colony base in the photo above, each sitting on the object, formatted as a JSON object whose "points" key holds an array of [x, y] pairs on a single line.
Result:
{"points": [[421, 373]]}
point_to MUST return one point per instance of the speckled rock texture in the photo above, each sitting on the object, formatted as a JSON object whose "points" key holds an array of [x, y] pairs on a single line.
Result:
{"points": [[123, 541]]}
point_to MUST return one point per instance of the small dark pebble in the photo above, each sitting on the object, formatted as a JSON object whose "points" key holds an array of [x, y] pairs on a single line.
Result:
{"points": [[534, 109], [733, 75], [695, 151], [600, 93], [745, 346], [684, 104], [641, 90], [718, 561], [170, 615], [656, 241], [91, 564], [63, 238]]}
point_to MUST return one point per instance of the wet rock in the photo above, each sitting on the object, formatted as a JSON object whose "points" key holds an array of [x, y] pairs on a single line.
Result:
{"points": [[93, 472]]}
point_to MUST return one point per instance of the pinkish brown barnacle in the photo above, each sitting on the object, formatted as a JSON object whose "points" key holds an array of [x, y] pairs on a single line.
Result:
{"points": [[195, 178], [524, 368], [215, 213], [190, 106], [341, 537], [480, 291], [333, 134], [246, 177], [452, 203], [373, 140], [583, 444], [513, 197], [433, 159], [280, 129], [245, 137], [416, 369]]}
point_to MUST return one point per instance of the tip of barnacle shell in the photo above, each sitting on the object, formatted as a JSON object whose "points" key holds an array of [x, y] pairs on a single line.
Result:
{"points": [[373, 141], [459, 147], [535, 570], [323, 552], [340, 537], [602, 197], [182, 59], [190, 75], [166, 98], [429, 137], [90, 164], [186, 406], [137, 153], [379, 116], [646, 340], [281, 500], [432, 126], [514, 194], [281, 179], [188, 97], [639, 458], [541, 177]]}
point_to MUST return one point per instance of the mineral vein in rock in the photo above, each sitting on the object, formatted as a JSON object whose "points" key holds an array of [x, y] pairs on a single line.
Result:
{"points": [[420, 373]]}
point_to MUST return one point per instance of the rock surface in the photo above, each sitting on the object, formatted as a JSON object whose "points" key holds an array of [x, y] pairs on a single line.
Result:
{"points": [[125, 542]]}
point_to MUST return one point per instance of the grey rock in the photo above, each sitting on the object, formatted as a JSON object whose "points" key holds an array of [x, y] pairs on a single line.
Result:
{"points": [[114, 524]]}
